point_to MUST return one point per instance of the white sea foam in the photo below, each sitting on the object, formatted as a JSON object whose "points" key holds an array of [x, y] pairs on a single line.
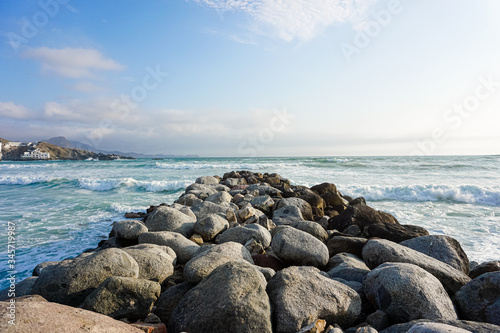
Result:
{"points": [[9, 166], [462, 194], [150, 186], [241, 166], [123, 208], [26, 180]]}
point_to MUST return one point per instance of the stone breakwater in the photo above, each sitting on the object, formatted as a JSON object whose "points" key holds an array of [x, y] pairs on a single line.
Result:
{"points": [[249, 252]]}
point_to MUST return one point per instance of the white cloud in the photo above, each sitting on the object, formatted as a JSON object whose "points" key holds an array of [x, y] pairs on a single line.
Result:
{"points": [[295, 19], [11, 110], [87, 87], [71, 62]]}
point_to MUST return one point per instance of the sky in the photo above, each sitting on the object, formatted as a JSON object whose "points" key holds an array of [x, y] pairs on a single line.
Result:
{"points": [[254, 78]]}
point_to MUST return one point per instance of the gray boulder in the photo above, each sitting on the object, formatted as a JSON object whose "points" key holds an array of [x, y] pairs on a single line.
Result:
{"points": [[207, 180], [121, 297], [219, 198], [169, 299], [245, 233], [129, 230], [348, 267], [209, 258], [183, 247], [479, 300], [156, 262], [264, 203], [485, 267], [394, 232], [166, 218], [22, 288], [361, 215], [435, 328], [232, 298], [71, 281], [301, 295], [472, 326], [379, 251], [210, 226], [206, 208], [338, 244], [188, 199], [299, 248], [287, 215], [301, 204], [407, 292], [443, 248], [312, 228]]}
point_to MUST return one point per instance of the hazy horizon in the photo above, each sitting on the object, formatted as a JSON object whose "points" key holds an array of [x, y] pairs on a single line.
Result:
{"points": [[254, 77]]}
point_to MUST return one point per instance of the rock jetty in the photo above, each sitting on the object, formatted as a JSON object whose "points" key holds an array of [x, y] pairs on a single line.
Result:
{"points": [[250, 252]]}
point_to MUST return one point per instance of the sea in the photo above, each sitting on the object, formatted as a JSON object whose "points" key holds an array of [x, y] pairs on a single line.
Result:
{"points": [[61, 208]]}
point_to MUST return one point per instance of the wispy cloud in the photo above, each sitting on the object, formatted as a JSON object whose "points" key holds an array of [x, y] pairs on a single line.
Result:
{"points": [[11, 110], [87, 87], [71, 62], [297, 19]]}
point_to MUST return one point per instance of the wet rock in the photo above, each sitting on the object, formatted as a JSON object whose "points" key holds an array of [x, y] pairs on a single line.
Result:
{"points": [[121, 297], [485, 267], [156, 263], [232, 298], [166, 218], [479, 300], [440, 247], [210, 226], [379, 251], [71, 281], [41, 266], [299, 248], [301, 295], [183, 247], [394, 232]]}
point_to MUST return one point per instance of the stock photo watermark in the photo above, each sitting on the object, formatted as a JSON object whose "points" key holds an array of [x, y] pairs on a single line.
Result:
{"points": [[30, 26], [126, 103], [251, 145], [372, 29], [454, 116], [11, 272]]}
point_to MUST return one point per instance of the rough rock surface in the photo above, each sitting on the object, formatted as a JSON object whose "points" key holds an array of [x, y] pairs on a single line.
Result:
{"points": [[120, 297], [156, 262], [301, 295], [299, 248], [210, 226], [394, 232], [485, 267], [166, 218], [243, 234], [129, 230], [70, 281], [231, 299], [169, 299], [379, 251], [407, 292], [479, 300], [183, 247], [360, 215], [471, 326], [38, 317], [301, 204], [444, 248], [348, 267], [337, 244]]}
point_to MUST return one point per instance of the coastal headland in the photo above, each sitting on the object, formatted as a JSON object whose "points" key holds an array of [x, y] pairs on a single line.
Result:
{"points": [[249, 252]]}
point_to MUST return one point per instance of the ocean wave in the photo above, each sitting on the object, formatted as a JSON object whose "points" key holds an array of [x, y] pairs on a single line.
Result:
{"points": [[149, 186], [122, 208], [461, 194], [27, 180], [11, 166], [240, 166]]}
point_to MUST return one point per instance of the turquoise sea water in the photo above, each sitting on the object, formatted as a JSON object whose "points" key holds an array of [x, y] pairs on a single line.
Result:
{"points": [[61, 208]]}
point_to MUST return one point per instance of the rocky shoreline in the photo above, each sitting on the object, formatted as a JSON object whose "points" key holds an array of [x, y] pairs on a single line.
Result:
{"points": [[249, 252]]}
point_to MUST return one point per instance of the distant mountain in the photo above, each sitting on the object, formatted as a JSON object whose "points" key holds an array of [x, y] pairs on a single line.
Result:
{"points": [[61, 141]]}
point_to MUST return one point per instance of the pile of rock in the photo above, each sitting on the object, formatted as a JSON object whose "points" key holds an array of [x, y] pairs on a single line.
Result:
{"points": [[250, 252]]}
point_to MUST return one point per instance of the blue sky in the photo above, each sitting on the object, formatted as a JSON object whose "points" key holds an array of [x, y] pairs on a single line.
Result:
{"points": [[254, 78]]}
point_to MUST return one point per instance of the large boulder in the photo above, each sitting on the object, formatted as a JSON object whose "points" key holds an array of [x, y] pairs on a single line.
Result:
{"points": [[338, 244], [301, 295], [121, 297], [407, 292], [188, 199], [479, 300], [42, 316], [232, 298], [165, 218], [429, 327], [361, 215], [470, 326], [443, 248], [287, 215], [207, 180], [70, 281], [169, 299], [209, 258], [312, 228], [301, 204], [210, 226], [183, 247], [394, 232], [206, 208], [219, 198], [379, 251], [485, 267], [348, 267], [245, 233], [299, 248], [317, 203], [264, 203], [129, 230], [156, 262]]}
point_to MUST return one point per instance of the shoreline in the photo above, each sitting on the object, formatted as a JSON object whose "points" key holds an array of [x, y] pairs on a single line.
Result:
{"points": [[247, 219]]}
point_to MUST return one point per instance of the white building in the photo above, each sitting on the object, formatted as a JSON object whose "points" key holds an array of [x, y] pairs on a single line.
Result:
{"points": [[36, 154]]}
